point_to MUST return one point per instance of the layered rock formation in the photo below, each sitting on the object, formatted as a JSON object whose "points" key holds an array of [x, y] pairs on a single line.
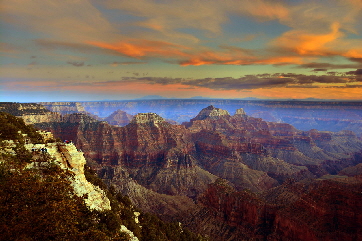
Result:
{"points": [[315, 210], [119, 118], [247, 151], [304, 115], [68, 157], [170, 170], [31, 113], [64, 108], [40, 201], [155, 153]]}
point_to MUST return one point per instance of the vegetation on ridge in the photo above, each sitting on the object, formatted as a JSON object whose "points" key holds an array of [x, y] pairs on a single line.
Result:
{"points": [[40, 204], [11, 125]]}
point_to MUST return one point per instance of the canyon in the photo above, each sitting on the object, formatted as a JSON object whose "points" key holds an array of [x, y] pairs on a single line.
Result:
{"points": [[304, 115], [229, 177]]}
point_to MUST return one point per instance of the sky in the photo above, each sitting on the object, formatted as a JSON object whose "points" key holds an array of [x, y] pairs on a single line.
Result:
{"points": [[87, 50]]}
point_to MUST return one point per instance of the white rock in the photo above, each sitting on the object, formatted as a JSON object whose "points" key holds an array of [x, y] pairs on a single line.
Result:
{"points": [[124, 229]]}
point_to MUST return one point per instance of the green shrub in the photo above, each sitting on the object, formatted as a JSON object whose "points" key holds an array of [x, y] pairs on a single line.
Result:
{"points": [[11, 125]]}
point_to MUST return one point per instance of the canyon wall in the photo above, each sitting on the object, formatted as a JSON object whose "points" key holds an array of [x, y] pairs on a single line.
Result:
{"points": [[235, 176], [304, 115]]}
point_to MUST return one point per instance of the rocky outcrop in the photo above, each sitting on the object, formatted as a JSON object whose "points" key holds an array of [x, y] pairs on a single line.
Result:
{"points": [[168, 168], [211, 112], [64, 108], [31, 113], [352, 171], [119, 118], [156, 154], [315, 210], [278, 149], [240, 112], [169, 207], [324, 210], [33, 183], [147, 118], [68, 157], [247, 151], [304, 115]]}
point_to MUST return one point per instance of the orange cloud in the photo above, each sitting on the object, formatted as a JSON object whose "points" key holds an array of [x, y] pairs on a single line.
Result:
{"points": [[213, 57], [309, 44], [262, 9], [178, 90], [232, 58], [142, 48], [301, 93], [354, 53]]}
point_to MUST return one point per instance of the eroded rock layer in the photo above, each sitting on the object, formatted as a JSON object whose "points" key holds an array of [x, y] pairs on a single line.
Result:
{"points": [[224, 169]]}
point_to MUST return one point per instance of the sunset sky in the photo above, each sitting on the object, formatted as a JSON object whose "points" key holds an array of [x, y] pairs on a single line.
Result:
{"points": [[69, 50]]}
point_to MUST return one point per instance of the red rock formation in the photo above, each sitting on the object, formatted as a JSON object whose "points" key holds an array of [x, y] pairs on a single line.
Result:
{"points": [[247, 152], [304, 115], [318, 210], [119, 118]]}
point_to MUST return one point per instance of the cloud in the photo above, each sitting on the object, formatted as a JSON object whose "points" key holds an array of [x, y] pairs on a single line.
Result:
{"points": [[62, 20], [262, 81], [76, 64], [191, 32], [209, 15], [317, 70], [304, 43], [354, 53], [358, 60], [316, 65], [115, 64], [9, 49], [57, 44], [237, 58], [247, 82], [142, 48], [357, 72]]}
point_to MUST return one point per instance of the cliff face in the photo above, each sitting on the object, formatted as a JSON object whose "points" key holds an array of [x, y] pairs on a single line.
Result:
{"points": [[155, 153], [49, 203], [64, 108], [276, 148], [326, 210], [150, 160], [249, 152], [318, 210], [119, 118], [31, 113], [68, 157], [304, 115]]}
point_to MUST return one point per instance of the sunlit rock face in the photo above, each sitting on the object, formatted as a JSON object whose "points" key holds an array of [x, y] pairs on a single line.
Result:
{"points": [[211, 112], [96, 198], [240, 112], [150, 118], [64, 107], [31, 113], [68, 157]]}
